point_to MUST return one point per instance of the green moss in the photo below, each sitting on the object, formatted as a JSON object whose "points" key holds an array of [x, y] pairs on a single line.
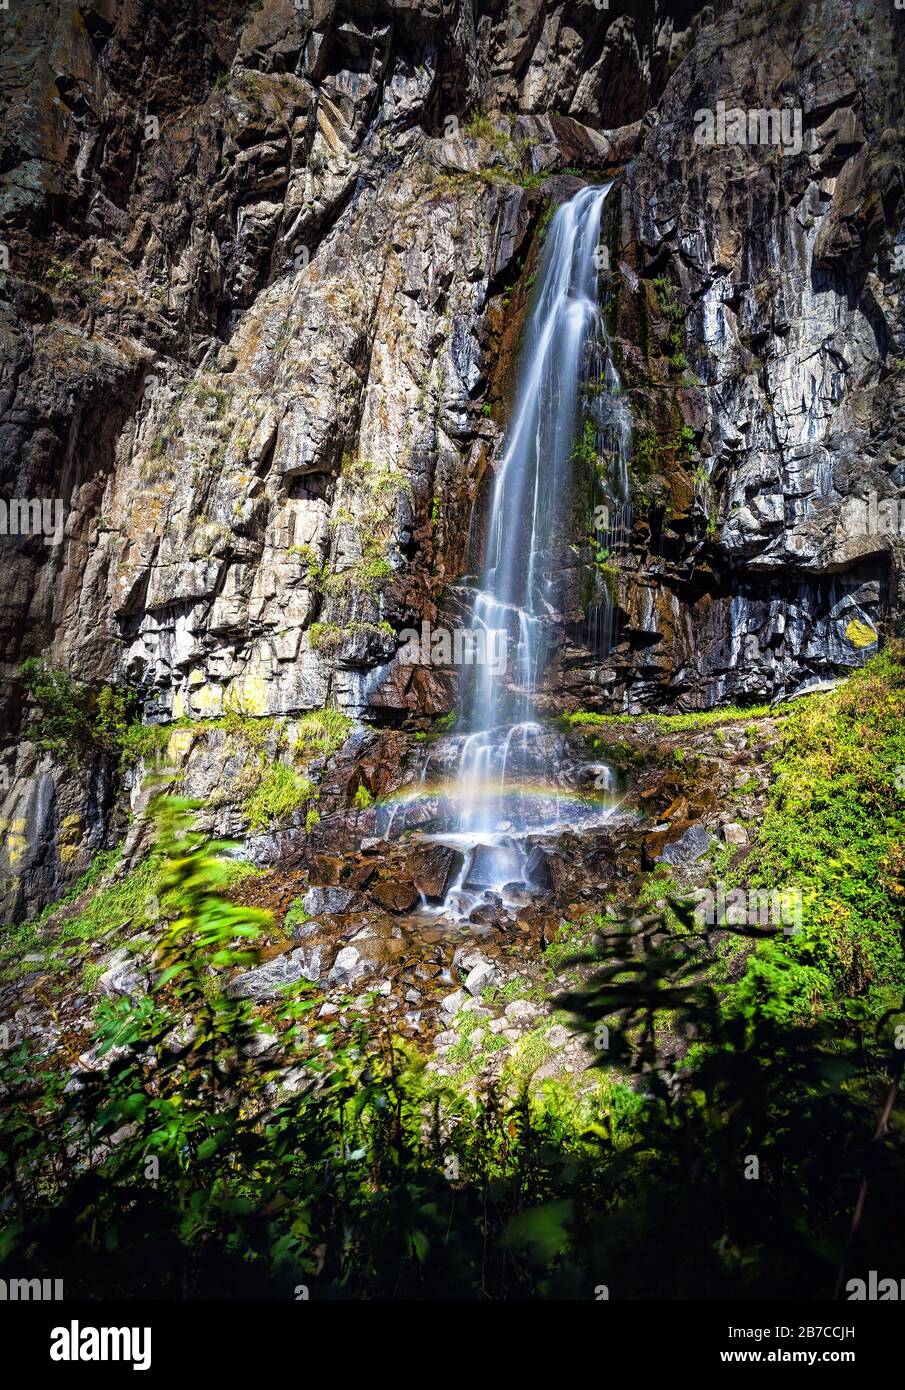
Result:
{"points": [[296, 916], [325, 637]]}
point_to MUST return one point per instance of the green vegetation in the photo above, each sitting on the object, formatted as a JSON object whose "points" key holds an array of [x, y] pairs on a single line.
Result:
{"points": [[584, 448], [479, 126], [325, 637], [834, 830], [675, 723], [74, 718], [321, 733], [368, 1177], [280, 792], [672, 311], [296, 916]]}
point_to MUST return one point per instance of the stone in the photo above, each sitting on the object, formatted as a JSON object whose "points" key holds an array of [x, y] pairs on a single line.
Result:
{"points": [[480, 977], [487, 915], [735, 834], [265, 981], [349, 967], [435, 869], [521, 1011], [452, 1003], [491, 865], [395, 897], [332, 901], [123, 974], [688, 848], [537, 867]]}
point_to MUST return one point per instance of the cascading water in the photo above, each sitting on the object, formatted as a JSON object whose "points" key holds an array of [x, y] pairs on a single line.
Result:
{"points": [[568, 411]]}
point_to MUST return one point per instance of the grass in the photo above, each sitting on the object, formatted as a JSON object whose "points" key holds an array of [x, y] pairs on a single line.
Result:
{"points": [[675, 723], [318, 734], [280, 792], [321, 733], [120, 905]]}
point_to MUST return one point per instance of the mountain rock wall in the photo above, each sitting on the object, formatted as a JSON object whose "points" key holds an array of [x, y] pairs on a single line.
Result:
{"points": [[267, 266]]}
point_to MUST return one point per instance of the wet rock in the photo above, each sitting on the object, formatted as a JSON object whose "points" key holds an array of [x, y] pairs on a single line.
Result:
{"points": [[491, 865], [435, 869], [361, 875], [394, 896], [537, 867], [487, 914]]}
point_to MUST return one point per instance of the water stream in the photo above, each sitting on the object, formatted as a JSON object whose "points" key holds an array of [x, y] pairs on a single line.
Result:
{"points": [[568, 414]]}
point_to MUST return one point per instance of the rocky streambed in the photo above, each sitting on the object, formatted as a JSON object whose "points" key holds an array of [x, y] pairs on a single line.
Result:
{"points": [[364, 923]]}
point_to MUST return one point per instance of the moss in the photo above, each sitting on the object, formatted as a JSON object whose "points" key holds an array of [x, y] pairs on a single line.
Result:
{"points": [[860, 634], [296, 916], [325, 637]]}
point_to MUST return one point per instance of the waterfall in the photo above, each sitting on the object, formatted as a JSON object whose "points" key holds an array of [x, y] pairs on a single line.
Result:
{"points": [[568, 415]]}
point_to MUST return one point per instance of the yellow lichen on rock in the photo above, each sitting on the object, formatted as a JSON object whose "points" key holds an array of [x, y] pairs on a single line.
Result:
{"points": [[860, 634]]}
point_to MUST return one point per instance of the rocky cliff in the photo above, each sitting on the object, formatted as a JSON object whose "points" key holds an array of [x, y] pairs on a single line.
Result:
{"points": [[266, 270]]}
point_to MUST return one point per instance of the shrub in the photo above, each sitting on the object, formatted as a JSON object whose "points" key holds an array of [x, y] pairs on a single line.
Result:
{"points": [[73, 717]]}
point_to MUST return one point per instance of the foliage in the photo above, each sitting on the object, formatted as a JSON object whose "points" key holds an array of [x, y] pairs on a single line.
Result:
{"points": [[673, 723], [279, 793], [73, 717], [721, 1154], [833, 830]]}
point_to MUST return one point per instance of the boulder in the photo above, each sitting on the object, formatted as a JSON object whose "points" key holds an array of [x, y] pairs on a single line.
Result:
{"points": [[492, 865], [333, 901], [303, 963], [688, 848], [435, 869], [395, 896], [480, 977], [349, 967]]}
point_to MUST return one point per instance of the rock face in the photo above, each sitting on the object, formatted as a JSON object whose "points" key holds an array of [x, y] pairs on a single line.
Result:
{"points": [[759, 314], [265, 270]]}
